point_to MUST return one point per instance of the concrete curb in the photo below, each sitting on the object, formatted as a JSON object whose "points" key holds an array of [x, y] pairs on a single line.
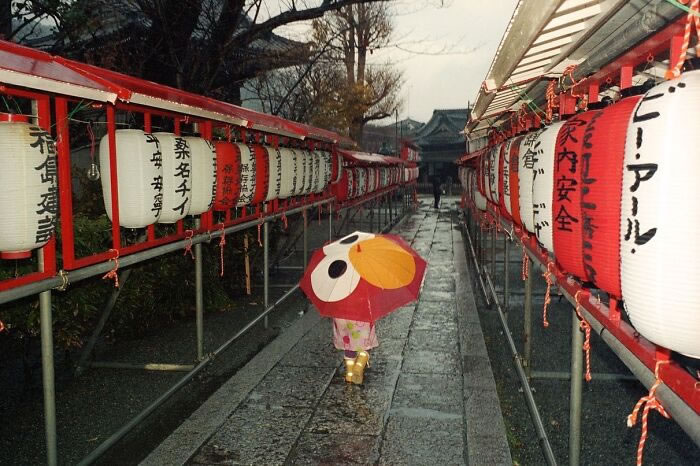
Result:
{"points": [[487, 442], [184, 442]]}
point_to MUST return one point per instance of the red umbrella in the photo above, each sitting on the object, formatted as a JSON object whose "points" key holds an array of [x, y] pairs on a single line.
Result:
{"points": [[363, 276]]}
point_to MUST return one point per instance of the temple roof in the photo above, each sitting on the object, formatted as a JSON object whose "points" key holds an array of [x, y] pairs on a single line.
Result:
{"points": [[444, 127]]}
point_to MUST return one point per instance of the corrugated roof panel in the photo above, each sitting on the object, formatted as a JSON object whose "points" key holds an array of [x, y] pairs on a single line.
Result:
{"points": [[560, 32], [537, 37], [573, 17]]}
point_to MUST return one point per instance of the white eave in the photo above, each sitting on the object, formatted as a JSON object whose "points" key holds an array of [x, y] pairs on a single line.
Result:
{"points": [[539, 41]]}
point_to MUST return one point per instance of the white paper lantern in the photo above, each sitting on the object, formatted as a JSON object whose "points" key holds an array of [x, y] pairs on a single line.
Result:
{"points": [[543, 184], [323, 173], [371, 179], [313, 164], [504, 175], [479, 199], [306, 171], [494, 159], [352, 192], [203, 175], [317, 172], [298, 177], [28, 191], [139, 177], [306, 179], [485, 161], [248, 175], [361, 175], [660, 253], [526, 166], [329, 167], [274, 186], [289, 175], [177, 177]]}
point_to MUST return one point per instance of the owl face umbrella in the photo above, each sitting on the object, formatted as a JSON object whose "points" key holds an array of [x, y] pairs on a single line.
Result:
{"points": [[363, 276]]}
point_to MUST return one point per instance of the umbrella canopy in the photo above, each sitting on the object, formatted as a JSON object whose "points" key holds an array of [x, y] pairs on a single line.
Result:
{"points": [[363, 276]]}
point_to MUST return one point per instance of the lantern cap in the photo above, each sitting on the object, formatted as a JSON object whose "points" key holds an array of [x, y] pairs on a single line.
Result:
{"points": [[15, 254]]}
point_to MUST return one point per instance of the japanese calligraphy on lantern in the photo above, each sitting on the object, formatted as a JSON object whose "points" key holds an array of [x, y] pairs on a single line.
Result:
{"points": [[182, 176], [642, 171], [588, 207], [210, 146], [317, 171], [247, 163], [351, 184], [277, 185], [566, 184], [47, 205], [156, 160], [542, 157], [297, 180]]}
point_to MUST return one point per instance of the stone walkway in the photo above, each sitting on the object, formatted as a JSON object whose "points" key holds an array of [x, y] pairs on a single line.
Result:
{"points": [[428, 398]]}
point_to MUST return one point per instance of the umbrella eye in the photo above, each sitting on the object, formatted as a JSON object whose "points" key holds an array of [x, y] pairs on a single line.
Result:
{"points": [[349, 240], [337, 268]]}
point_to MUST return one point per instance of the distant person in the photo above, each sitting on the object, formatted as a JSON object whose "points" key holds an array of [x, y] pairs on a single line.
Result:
{"points": [[437, 190], [356, 338]]}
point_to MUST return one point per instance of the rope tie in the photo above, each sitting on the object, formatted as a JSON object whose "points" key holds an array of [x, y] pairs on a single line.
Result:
{"points": [[547, 298], [188, 247], [526, 265], [649, 402], [551, 104], [569, 71], [222, 243], [260, 224], [691, 20], [284, 220], [113, 273], [586, 328]]}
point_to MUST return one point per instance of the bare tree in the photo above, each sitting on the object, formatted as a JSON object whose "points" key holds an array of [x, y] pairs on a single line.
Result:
{"points": [[369, 91]]}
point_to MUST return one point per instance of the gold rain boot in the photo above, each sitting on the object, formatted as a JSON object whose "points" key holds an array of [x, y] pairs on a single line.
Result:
{"points": [[358, 371], [349, 364]]}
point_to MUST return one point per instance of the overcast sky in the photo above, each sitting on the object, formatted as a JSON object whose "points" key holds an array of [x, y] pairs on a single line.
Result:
{"points": [[463, 34]]}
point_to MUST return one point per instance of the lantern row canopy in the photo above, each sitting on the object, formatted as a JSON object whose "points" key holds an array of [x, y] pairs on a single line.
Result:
{"points": [[40, 71], [563, 40], [366, 158]]}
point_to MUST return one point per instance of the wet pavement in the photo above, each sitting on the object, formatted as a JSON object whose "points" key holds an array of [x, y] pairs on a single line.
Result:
{"points": [[429, 396]]}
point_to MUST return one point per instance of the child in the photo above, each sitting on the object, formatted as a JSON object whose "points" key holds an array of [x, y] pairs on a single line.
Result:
{"points": [[356, 339]]}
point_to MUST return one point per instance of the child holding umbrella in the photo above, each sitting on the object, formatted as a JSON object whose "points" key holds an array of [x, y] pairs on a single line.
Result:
{"points": [[356, 281]]}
